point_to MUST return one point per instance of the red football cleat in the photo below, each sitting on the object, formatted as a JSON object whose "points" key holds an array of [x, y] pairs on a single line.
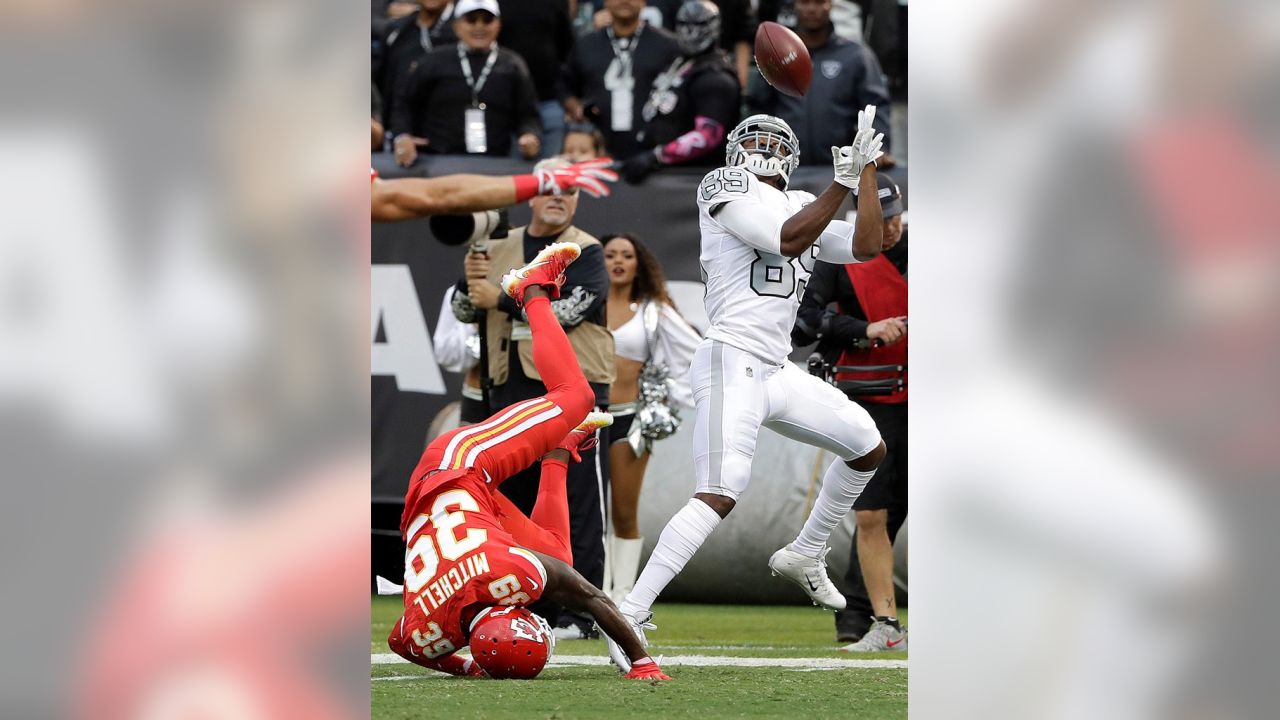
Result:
{"points": [[646, 669], [546, 271], [583, 437]]}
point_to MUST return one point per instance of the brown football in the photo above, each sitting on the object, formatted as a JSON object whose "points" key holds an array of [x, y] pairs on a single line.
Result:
{"points": [[783, 59]]}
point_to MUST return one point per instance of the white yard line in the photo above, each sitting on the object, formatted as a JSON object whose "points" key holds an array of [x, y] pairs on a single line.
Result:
{"points": [[820, 663]]}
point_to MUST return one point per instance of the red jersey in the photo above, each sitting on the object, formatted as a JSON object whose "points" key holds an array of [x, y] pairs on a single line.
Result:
{"points": [[459, 560]]}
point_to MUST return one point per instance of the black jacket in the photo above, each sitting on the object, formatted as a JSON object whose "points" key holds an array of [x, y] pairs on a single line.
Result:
{"points": [[846, 78], [403, 44], [839, 329], [434, 97], [707, 87], [538, 31], [584, 78]]}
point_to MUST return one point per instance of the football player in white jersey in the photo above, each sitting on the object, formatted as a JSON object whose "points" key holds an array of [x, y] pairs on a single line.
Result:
{"points": [[759, 245]]}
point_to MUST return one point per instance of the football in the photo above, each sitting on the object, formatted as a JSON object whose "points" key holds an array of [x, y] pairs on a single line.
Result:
{"points": [[783, 59]]}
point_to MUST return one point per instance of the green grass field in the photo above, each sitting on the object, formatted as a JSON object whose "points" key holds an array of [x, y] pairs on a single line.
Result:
{"points": [[789, 643]]}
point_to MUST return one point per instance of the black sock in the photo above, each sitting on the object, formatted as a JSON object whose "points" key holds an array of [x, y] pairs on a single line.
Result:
{"points": [[893, 622]]}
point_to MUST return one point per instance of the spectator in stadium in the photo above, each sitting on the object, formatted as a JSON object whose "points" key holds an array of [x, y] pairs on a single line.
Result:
{"points": [[869, 327], [581, 311], [410, 198], [471, 97], [693, 103], [846, 78], [885, 29], [646, 328], [846, 15], [406, 41], [381, 14], [737, 28], [457, 346], [608, 75], [539, 31], [738, 35], [377, 134], [582, 141]]}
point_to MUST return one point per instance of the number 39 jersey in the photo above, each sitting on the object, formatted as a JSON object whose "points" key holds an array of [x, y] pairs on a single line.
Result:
{"points": [[459, 557], [753, 291]]}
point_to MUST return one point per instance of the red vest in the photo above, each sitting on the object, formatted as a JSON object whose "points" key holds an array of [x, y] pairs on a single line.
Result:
{"points": [[882, 292]]}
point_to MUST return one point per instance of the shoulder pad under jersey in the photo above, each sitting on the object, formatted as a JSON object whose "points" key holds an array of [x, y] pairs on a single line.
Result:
{"points": [[725, 184]]}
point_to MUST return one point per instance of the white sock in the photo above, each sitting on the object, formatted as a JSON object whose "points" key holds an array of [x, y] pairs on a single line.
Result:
{"points": [[680, 539], [841, 486]]}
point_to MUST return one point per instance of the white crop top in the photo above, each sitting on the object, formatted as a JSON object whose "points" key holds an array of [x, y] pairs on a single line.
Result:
{"points": [[629, 341]]}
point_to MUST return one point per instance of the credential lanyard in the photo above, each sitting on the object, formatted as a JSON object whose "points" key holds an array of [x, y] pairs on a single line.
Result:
{"points": [[476, 85], [620, 81]]}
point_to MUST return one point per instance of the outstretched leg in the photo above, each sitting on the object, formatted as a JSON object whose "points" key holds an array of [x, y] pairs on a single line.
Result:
{"points": [[547, 530], [516, 436]]}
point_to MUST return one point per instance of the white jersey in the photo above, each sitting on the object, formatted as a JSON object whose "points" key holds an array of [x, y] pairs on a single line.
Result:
{"points": [[753, 291]]}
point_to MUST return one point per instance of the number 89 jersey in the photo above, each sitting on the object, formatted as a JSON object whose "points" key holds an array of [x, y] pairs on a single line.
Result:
{"points": [[459, 558], [753, 291]]}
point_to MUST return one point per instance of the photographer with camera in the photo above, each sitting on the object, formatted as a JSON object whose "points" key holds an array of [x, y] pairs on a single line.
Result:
{"points": [[867, 330], [398, 199], [580, 309]]}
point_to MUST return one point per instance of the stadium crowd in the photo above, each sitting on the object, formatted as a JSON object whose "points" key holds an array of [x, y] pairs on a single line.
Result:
{"points": [[650, 85]]}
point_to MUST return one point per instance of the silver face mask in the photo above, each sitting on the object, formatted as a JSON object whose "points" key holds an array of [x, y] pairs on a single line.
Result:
{"points": [[764, 145]]}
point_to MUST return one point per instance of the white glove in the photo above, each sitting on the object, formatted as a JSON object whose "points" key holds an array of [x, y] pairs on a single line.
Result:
{"points": [[848, 161], [866, 148]]}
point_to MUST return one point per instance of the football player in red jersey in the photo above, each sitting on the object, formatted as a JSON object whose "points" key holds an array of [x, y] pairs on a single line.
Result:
{"points": [[469, 549], [410, 198]]}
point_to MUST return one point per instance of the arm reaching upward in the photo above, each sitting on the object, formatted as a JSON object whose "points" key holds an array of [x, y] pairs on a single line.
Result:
{"points": [[853, 164]]}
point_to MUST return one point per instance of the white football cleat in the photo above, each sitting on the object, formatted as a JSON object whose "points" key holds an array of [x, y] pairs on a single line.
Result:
{"points": [[810, 574], [639, 622]]}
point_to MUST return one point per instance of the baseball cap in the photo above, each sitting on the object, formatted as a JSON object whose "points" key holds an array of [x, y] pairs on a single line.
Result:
{"points": [[889, 194], [462, 7]]}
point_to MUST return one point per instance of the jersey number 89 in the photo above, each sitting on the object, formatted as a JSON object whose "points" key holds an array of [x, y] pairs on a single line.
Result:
{"points": [[782, 280], [726, 179]]}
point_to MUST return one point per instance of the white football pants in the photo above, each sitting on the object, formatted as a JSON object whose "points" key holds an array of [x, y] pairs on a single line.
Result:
{"points": [[737, 392]]}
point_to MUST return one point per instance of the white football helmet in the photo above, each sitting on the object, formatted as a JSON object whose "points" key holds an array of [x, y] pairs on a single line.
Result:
{"points": [[764, 145]]}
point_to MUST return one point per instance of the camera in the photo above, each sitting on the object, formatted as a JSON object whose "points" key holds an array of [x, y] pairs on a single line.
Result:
{"points": [[471, 229]]}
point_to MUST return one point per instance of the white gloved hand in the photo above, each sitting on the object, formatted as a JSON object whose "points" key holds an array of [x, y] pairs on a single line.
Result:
{"points": [[866, 148], [866, 117], [848, 161]]}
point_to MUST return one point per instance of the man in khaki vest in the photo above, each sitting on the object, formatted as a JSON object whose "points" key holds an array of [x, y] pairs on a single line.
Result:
{"points": [[581, 311]]}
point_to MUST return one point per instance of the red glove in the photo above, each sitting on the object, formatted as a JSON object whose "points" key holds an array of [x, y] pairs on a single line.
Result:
{"points": [[646, 668], [589, 176]]}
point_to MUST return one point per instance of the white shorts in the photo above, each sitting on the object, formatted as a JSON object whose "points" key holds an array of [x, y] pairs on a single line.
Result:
{"points": [[737, 392]]}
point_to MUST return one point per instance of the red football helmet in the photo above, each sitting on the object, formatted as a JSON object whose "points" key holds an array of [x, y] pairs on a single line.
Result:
{"points": [[511, 642]]}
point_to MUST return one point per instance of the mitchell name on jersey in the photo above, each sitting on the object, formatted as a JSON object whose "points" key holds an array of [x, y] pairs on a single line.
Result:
{"points": [[754, 291]]}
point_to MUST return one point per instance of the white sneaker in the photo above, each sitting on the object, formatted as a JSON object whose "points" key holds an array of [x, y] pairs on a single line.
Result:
{"points": [[810, 574], [882, 637], [639, 622]]}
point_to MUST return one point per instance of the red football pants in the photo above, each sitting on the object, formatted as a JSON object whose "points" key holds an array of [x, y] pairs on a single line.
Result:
{"points": [[513, 438]]}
